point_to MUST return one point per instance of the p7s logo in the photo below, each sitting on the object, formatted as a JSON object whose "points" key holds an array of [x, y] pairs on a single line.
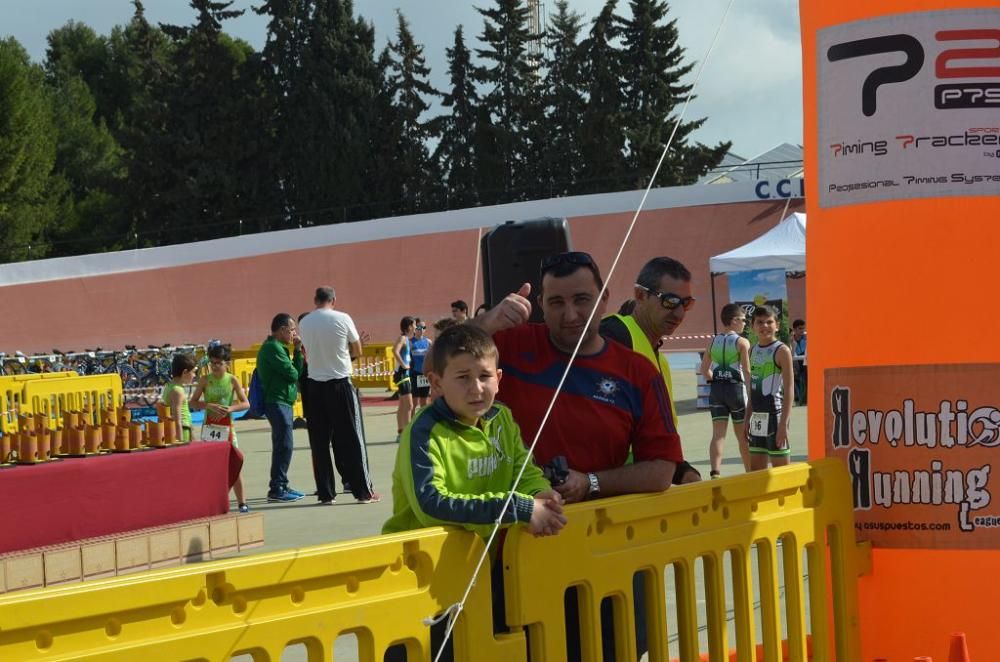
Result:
{"points": [[974, 94]]}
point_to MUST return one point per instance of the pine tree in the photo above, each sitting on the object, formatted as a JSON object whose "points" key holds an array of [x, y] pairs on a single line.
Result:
{"points": [[455, 153], [325, 78], [512, 94], [203, 145], [410, 87], [602, 125], [565, 102], [653, 70], [29, 196]]}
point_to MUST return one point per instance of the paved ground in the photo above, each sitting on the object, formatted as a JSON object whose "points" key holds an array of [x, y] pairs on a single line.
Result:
{"points": [[307, 523]]}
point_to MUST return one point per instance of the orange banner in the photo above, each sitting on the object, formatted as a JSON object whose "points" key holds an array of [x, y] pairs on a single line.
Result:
{"points": [[919, 442]]}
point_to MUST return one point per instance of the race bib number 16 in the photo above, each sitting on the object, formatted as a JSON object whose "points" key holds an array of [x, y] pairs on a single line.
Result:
{"points": [[758, 423]]}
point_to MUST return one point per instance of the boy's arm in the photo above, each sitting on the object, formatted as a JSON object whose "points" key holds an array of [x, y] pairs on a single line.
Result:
{"points": [[743, 345], [706, 363], [241, 402], [194, 402], [533, 480], [784, 361], [176, 399], [434, 503]]}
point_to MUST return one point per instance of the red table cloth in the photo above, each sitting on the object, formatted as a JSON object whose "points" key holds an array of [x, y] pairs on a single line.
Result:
{"points": [[81, 498]]}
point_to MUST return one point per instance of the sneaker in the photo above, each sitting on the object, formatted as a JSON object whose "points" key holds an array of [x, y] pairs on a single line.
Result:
{"points": [[372, 498], [283, 497], [294, 492], [327, 502], [714, 474], [347, 488], [244, 508]]}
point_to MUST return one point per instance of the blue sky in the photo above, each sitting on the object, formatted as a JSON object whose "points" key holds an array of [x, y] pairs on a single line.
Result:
{"points": [[745, 285], [751, 90]]}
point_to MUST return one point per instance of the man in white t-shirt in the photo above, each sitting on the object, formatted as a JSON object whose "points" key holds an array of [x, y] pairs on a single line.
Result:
{"points": [[334, 418]]}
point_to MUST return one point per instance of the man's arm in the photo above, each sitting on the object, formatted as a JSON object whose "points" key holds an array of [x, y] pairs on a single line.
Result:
{"points": [[743, 345], [513, 311], [645, 476]]}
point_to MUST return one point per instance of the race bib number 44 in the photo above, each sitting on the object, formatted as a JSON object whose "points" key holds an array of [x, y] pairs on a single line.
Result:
{"points": [[758, 423], [215, 433]]}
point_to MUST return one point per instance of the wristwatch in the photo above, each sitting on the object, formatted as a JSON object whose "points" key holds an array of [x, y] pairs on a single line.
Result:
{"points": [[595, 486]]}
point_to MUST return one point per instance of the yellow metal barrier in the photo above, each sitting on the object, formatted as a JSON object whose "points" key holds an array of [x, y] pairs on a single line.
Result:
{"points": [[12, 395], [243, 369], [374, 368], [764, 514], [55, 396], [377, 588], [381, 588]]}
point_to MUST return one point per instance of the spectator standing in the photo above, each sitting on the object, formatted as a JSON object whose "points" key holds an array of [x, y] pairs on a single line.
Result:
{"points": [[420, 346], [799, 361], [335, 421], [279, 376], [459, 310], [402, 374]]}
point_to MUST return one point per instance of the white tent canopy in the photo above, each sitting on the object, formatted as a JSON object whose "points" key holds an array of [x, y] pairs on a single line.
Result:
{"points": [[781, 247]]}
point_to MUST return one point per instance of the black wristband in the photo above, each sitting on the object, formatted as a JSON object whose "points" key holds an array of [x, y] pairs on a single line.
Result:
{"points": [[682, 468]]}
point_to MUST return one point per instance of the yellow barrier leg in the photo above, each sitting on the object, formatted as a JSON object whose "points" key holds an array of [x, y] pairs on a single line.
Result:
{"points": [[770, 600], [715, 607], [687, 610], [742, 571], [795, 606]]}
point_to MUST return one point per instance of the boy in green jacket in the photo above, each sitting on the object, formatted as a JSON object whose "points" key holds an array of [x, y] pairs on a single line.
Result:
{"points": [[458, 458], [279, 375]]}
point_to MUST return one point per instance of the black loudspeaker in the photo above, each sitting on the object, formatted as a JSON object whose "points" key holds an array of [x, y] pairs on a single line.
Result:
{"points": [[512, 255]]}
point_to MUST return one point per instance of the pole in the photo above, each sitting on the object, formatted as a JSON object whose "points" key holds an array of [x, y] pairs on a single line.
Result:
{"points": [[715, 313]]}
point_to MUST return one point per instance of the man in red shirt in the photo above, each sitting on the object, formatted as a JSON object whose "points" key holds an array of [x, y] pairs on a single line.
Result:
{"points": [[612, 397]]}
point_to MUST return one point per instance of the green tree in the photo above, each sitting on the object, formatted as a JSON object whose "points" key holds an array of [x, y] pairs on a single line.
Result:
{"points": [[653, 69], [324, 83], [29, 195], [456, 150], [602, 125], [565, 99], [205, 151], [410, 88], [90, 162], [512, 96]]}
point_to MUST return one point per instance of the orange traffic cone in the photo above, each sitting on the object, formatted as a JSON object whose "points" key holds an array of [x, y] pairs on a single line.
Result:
{"points": [[959, 651]]}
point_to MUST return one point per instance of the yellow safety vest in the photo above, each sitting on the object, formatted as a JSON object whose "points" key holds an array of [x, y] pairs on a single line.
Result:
{"points": [[641, 345]]}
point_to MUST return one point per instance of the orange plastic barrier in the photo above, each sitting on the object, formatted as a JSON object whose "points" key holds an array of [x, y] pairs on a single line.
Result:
{"points": [[899, 242]]}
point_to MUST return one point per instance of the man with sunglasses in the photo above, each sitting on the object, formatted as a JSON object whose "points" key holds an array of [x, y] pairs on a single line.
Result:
{"points": [[662, 297], [612, 400]]}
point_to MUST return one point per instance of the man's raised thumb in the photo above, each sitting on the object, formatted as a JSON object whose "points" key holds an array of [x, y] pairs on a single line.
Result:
{"points": [[525, 290]]}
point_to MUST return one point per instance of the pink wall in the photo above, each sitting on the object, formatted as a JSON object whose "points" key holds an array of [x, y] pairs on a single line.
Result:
{"points": [[377, 282]]}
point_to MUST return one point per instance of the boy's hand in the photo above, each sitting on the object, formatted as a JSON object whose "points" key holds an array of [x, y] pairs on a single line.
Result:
{"points": [[781, 439], [576, 487], [546, 518], [551, 495]]}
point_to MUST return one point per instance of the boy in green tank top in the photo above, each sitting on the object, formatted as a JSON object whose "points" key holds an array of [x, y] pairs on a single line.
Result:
{"points": [[221, 395], [182, 370], [769, 410]]}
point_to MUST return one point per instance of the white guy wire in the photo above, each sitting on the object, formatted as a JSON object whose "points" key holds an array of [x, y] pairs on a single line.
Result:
{"points": [[454, 610]]}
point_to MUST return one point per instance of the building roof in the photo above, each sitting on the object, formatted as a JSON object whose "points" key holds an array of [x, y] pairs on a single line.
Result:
{"points": [[781, 162]]}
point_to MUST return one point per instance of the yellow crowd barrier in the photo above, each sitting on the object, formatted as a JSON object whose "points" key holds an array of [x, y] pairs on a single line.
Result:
{"points": [[381, 588], [55, 396], [377, 588], [705, 528], [374, 368], [12, 395], [243, 369]]}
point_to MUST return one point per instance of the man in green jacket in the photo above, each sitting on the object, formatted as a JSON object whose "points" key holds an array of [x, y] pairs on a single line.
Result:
{"points": [[279, 375]]}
